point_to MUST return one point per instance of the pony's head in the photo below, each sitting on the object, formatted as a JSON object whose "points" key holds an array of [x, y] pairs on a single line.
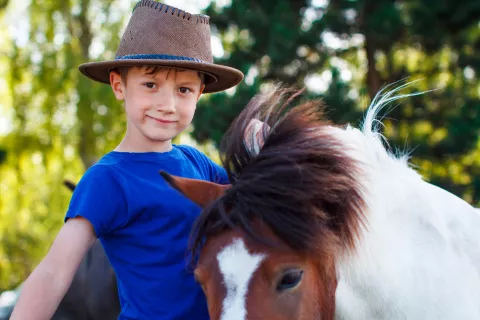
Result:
{"points": [[269, 242]]}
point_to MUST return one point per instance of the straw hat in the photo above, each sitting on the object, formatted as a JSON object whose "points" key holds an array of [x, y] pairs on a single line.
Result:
{"points": [[162, 35]]}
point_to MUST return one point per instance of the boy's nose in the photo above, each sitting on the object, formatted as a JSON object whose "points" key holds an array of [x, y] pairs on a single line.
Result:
{"points": [[166, 103]]}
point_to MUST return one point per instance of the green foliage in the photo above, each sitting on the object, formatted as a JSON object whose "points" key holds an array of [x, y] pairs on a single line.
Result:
{"points": [[61, 122], [415, 39]]}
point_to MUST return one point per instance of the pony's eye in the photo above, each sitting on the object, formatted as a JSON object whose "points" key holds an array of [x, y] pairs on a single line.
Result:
{"points": [[290, 280]]}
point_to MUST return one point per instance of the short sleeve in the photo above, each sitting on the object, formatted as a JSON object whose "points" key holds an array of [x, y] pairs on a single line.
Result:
{"points": [[100, 199]]}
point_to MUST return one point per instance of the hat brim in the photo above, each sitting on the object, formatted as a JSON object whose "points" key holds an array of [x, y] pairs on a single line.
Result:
{"points": [[221, 77]]}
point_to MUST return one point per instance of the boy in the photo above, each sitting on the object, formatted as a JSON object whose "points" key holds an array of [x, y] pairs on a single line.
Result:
{"points": [[163, 65]]}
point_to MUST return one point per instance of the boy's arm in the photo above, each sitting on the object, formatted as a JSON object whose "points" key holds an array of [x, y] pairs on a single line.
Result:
{"points": [[48, 283]]}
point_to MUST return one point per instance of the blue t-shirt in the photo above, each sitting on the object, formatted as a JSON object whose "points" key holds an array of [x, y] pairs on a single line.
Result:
{"points": [[144, 226]]}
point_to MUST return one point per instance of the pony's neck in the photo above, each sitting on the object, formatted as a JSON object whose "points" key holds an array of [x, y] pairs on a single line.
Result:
{"points": [[418, 255]]}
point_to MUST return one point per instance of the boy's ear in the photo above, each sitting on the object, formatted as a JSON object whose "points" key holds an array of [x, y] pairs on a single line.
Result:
{"points": [[117, 84], [202, 87]]}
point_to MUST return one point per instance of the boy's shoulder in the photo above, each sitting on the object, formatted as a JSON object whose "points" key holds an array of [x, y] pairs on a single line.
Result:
{"points": [[193, 154], [211, 170], [110, 159], [189, 150], [103, 169]]}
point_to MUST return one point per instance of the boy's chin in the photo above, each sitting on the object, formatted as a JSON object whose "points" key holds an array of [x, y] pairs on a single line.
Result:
{"points": [[161, 138]]}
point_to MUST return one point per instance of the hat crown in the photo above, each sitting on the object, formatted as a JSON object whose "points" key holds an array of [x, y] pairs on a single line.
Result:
{"points": [[165, 36], [163, 31]]}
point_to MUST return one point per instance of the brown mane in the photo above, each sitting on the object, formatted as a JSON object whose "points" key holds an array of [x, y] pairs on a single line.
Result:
{"points": [[302, 184]]}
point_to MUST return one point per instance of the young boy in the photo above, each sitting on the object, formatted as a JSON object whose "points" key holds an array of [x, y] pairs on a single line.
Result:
{"points": [[163, 65]]}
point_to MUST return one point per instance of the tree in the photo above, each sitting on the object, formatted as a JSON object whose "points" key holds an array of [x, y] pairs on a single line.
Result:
{"points": [[380, 42], [56, 110]]}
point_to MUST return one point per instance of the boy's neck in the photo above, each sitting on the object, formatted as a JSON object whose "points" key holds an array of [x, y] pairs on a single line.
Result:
{"points": [[136, 146]]}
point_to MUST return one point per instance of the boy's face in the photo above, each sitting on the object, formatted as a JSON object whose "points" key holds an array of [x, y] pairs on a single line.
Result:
{"points": [[159, 105]]}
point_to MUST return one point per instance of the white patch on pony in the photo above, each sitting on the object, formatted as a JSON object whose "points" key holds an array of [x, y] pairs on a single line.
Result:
{"points": [[237, 266], [418, 256]]}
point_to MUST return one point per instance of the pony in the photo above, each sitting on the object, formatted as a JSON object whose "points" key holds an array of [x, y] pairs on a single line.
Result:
{"points": [[326, 222]]}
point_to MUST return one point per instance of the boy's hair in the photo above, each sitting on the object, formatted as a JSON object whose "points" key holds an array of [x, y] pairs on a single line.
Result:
{"points": [[151, 70]]}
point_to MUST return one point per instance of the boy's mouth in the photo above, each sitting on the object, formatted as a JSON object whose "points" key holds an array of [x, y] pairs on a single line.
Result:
{"points": [[159, 120]]}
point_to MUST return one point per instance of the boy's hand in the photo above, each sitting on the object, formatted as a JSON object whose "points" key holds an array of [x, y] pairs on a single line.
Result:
{"points": [[45, 287], [254, 135]]}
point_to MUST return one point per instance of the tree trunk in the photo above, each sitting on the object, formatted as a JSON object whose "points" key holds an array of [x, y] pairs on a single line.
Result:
{"points": [[373, 76], [85, 116]]}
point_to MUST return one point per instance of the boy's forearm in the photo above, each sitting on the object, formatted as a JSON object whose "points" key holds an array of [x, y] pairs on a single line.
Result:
{"points": [[40, 295]]}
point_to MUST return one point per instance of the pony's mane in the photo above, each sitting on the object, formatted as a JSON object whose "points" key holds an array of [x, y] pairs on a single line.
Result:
{"points": [[302, 184], [372, 125]]}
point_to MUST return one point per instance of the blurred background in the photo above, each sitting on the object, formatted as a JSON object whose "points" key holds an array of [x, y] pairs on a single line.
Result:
{"points": [[55, 123]]}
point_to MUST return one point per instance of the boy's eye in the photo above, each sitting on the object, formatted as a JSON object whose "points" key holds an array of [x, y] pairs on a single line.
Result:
{"points": [[149, 85], [184, 90]]}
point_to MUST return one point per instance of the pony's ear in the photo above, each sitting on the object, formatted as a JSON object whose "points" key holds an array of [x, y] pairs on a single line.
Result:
{"points": [[199, 191]]}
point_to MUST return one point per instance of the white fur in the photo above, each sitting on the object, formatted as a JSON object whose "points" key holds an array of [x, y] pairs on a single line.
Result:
{"points": [[237, 266], [419, 255], [417, 258]]}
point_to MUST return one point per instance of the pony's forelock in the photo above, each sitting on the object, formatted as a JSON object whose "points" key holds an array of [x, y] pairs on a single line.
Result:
{"points": [[302, 184]]}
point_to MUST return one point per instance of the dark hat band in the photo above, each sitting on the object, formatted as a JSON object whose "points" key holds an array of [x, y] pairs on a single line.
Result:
{"points": [[157, 56], [210, 78]]}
